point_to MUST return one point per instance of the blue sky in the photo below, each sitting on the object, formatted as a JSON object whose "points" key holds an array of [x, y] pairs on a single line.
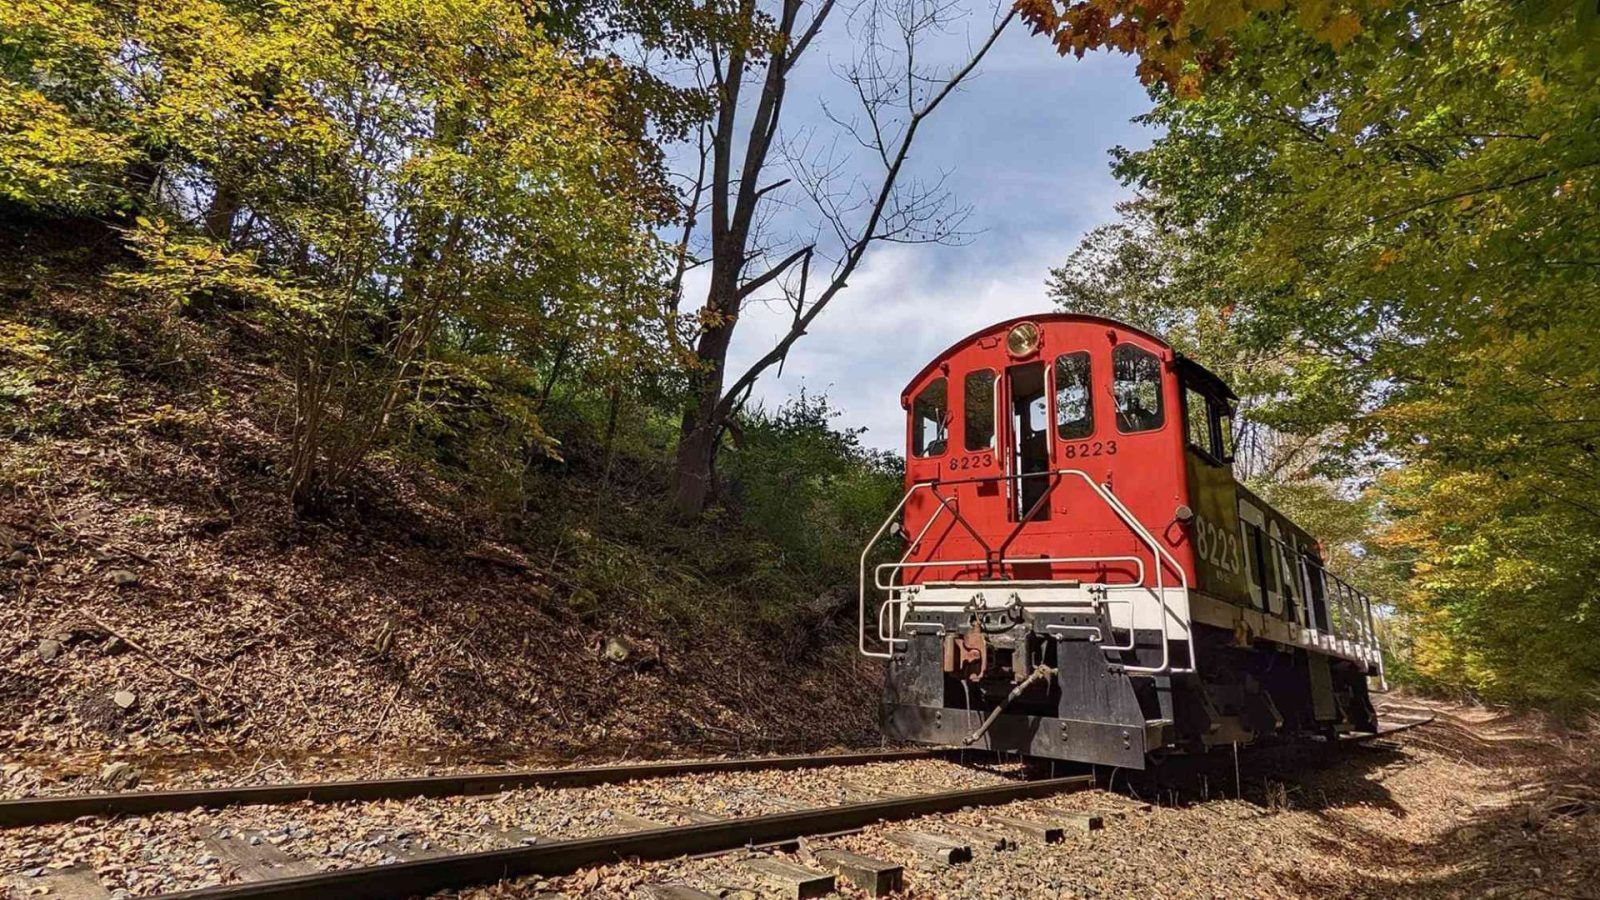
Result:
{"points": [[1025, 145]]}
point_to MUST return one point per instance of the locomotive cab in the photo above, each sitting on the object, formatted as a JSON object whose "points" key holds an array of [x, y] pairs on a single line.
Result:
{"points": [[1081, 575]]}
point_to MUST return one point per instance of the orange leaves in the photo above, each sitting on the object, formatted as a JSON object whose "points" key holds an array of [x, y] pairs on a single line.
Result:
{"points": [[1179, 42], [1340, 30], [1039, 14], [1154, 30]]}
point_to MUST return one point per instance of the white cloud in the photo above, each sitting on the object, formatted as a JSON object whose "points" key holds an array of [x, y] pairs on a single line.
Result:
{"points": [[904, 306], [1025, 145]]}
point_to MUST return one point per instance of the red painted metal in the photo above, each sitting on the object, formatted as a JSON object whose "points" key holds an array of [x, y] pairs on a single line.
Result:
{"points": [[1144, 470]]}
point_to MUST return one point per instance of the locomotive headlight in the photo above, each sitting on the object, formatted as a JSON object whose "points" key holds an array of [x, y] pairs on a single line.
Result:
{"points": [[1023, 340]]}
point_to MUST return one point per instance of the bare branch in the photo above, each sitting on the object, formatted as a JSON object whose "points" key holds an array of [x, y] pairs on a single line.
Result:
{"points": [[772, 187], [800, 45], [903, 212], [766, 277]]}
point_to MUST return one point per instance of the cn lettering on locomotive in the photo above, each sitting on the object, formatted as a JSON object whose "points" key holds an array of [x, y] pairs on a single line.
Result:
{"points": [[1080, 574]]}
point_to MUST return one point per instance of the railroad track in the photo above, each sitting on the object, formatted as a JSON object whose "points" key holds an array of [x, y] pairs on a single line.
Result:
{"points": [[564, 857], [420, 867], [44, 810], [1393, 729], [273, 866]]}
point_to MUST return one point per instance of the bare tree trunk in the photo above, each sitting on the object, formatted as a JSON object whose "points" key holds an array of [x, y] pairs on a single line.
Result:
{"points": [[703, 422], [697, 444], [222, 212], [889, 215]]}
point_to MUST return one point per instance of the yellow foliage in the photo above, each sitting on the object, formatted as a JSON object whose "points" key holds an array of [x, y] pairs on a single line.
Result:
{"points": [[1340, 30], [23, 342]]}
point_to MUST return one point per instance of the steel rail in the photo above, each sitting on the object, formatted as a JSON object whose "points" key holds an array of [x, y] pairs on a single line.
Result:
{"points": [[65, 808], [1383, 732], [407, 879]]}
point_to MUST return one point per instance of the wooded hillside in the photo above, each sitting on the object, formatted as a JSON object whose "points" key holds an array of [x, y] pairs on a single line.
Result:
{"points": [[348, 384]]}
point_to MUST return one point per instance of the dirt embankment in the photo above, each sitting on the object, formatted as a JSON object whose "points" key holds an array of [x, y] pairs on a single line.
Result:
{"points": [[161, 599]]}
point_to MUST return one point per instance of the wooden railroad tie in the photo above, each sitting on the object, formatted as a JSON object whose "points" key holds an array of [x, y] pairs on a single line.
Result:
{"points": [[945, 851], [1047, 832], [254, 857], [791, 881], [511, 837], [1076, 819], [75, 882], [982, 838], [862, 793], [637, 823], [694, 816], [873, 876], [676, 892], [783, 803], [408, 850]]}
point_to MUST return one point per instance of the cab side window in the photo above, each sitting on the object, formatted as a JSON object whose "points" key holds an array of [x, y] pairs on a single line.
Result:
{"points": [[930, 419], [1197, 415], [977, 418], [1209, 425], [1136, 388], [1074, 401]]}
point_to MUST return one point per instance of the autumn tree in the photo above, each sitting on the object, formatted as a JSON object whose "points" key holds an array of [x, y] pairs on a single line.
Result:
{"points": [[416, 201], [1404, 212]]}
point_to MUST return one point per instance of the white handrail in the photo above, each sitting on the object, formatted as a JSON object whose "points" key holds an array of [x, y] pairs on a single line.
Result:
{"points": [[877, 581], [1157, 553], [884, 620], [861, 617], [1348, 610]]}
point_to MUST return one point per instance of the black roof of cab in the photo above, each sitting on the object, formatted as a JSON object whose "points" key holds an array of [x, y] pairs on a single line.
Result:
{"points": [[1204, 379]]}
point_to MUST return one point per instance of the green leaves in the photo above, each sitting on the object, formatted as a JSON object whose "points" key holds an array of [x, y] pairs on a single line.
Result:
{"points": [[382, 186], [179, 268], [1402, 226]]}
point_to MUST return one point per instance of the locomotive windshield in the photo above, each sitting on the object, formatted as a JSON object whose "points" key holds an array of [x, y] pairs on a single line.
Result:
{"points": [[1136, 387], [1074, 406], [978, 404], [930, 415]]}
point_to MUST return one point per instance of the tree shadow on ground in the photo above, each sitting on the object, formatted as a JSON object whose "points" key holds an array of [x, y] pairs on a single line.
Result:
{"points": [[1311, 776], [1527, 847], [1538, 840]]}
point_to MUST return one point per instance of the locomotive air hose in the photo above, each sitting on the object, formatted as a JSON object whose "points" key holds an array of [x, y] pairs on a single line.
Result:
{"points": [[1040, 672]]}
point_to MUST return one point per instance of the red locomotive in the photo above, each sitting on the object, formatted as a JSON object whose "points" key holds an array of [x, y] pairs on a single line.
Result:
{"points": [[1082, 576]]}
